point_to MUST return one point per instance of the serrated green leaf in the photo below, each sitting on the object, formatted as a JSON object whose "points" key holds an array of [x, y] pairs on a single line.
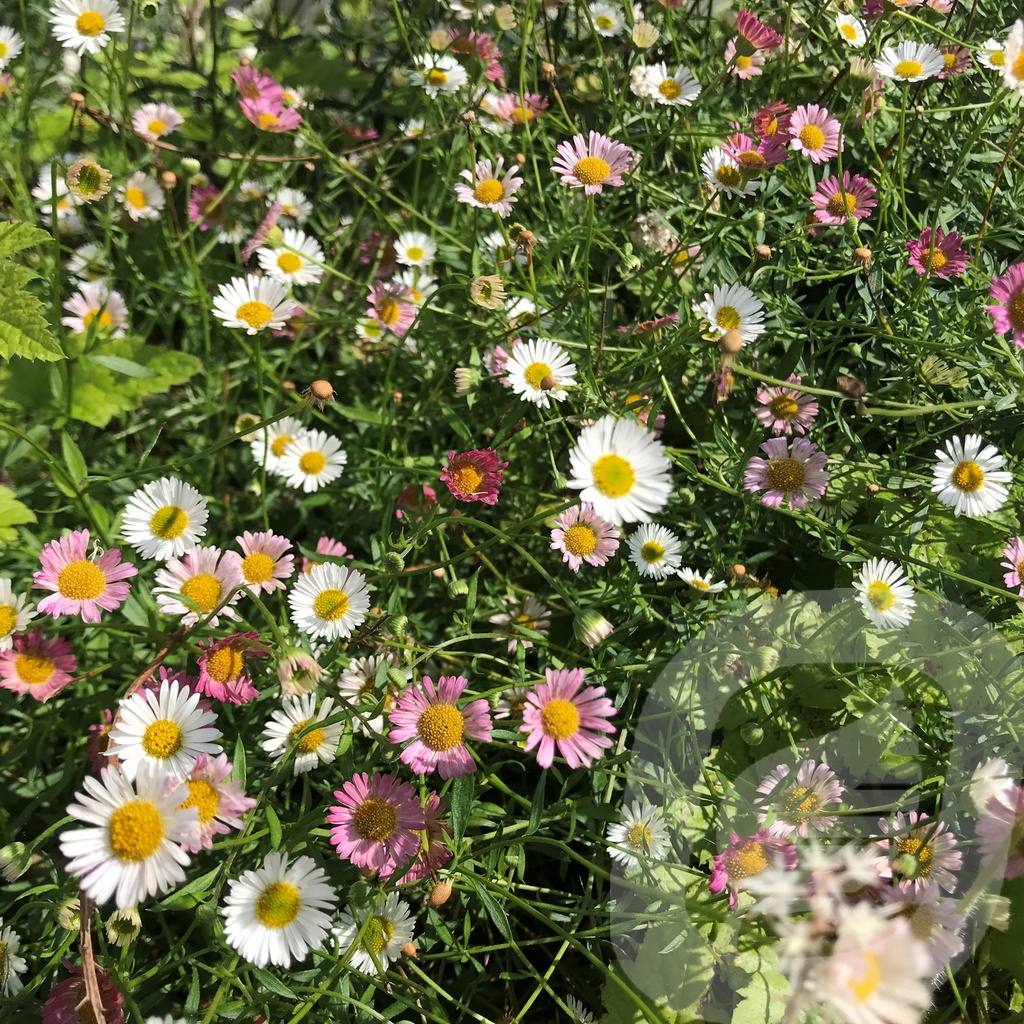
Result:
{"points": [[24, 330], [18, 236]]}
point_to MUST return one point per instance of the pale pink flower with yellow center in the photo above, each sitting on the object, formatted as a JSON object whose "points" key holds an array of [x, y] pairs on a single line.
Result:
{"points": [[224, 670], [475, 475], [488, 188], [206, 578], [583, 536], [938, 254], [271, 115], [219, 803], [264, 564], [815, 133], [37, 666], [743, 65], [920, 851], [390, 305], [746, 857], [153, 121], [837, 199], [784, 410], [1008, 290], [793, 472], [592, 164], [518, 109], [1014, 553]]}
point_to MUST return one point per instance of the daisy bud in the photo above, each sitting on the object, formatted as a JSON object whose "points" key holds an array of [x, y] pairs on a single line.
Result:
{"points": [[15, 859], [321, 392], [396, 677], [731, 342], [862, 257], [993, 911], [69, 916], [298, 672], [467, 379], [397, 625], [505, 17], [409, 950], [763, 253], [190, 165], [441, 893], [168, 179], [394, 563], [738, 570], [76, 99], [644, 35], [439, 39], [457, 589], [752, 734], [87, 180], [862, 70], [123, 926], [591, 627], [487, 292], [547, 72]]}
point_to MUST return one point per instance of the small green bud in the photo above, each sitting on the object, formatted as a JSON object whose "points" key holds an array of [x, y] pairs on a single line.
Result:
{"points": [[396, 677], [397, 625], [752, 734], [149, 9], [591, 627], [190, 165], [457, 589], [393, 562]]}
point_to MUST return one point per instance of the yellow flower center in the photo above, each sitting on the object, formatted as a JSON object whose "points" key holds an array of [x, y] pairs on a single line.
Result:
{"points": [[559, 719], [967, 476], [1015, 310], [728, 318], [842, 204], [441, 727], [849, 31], [799, 804], [602, 21], [378, 934], [90, 23], [783, 407], [135, 831], [880, 596], [489, 191], [278, 905], [168, 522], [311, 742], [864, 987], [389, 311], [915, 848], [785, 475], [3, 53], [436, 77], [415, 252], [579, 540], [135, 197], [8, 619], [698, 584], [280, 443], [375, 820], [908, 69], [203, 796], [522, 114], [162, 738], [331, 605], [935, 259], [106, 320], [312, 463], [771, 127], [156, 127], [652, 552], [225, 664], [1017, 68], [255, 314], [746, 863], [751, 158], [670, 89], [203, 590], [613, 476], [639, 836], [535, 373], [743, 62], [267, 120], [812, 136], [257, 567], [467, 477], [289, 262], [81, 581], [591, 170], [949, 59], [33, 668]]}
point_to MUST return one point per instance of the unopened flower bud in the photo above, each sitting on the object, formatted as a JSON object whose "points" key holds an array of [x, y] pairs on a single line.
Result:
{"points": [[69, 915], [76, 99], [487, 292], [752, 734], [149, 9], [547, 72], [862, 257], [457, 589], [738, 570], [762, 253], [441, 893], [397, 678], [409, 950], [731, 342], [591, 627], [397, 625], [123, 926], [873, 489], [15, 859], [439, 39], [298, 672], [393, 562], [168, 179], [467, 379], [644, 35], [319, 393], [505, 17], [190, 165]]}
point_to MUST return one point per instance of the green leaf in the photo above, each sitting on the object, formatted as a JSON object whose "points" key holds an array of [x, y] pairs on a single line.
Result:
{"points": [[126, 366], [16, 237], [538, 804], [192, 1000], [24, 330], [12, 513], [73, 458], [238, 763], [494, 909], [272, 984], [460, 797], [191, 894], [274, 824]]}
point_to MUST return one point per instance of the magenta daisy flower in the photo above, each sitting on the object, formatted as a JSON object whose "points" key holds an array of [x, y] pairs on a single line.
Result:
{"points": [[835, 200], [390, 305], [784, 410], [754, 154], [920, 850], [772, 122], [956, 60], [1009, 290], [518, 109], [270, 115], [438, 728], [561, 715], [583, 536], [219, 803], [743, 65], [939, 255], [1001, 831], [434, 850], [223, 668], [474, 476], [815, 133], [207, 578], [1014, 553], [756, 33], [81, 585], [748, 856], [37, 666], [264, 564], [794, 471], [798, 802], [594, 164], [377, 821], [488, 188]]}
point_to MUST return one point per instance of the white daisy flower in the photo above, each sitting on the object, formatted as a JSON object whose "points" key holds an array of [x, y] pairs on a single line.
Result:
{"points": [[11, 965], [419, 282], [297, 260], [313, 459], [271, 442], [654, 551], [294, 205], [132, 849], [275, 915], [468, 10], [970, 477], [437, 73], [253, 303], [1013, 60], [369, 329], [207, 579], [732, 307], [165, 728], [55, 195], [313, 747], [701, 581], [886, 597], [375, 934], [909, 62], [329, 601], [15, 614], [538, 371], [10, 46], [852, 29], [724, 174], [675, 90], [415, 249], [165, 518], [154, 120], [993, 54], [621, 469], [85, 25], [88, 263], [606, 19], [641, 835], [143, 199]]}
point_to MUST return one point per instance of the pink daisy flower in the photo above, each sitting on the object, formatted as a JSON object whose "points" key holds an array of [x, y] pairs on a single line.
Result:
{"points": [[415, 501], [836, 200], [1014, 553], [518, 109], [815, 133], [82, 585], [219, 803], [748, 856], [496, 361], [583, 536], [391, 306], [223, 668], [939, 255], [206, 578], [794, 471], [528, 614], [154, 120], [488, 189], [756, 32], [37, 666], [254, 84], [957, 60], [264, 564], [755, 155], [377, 821], [560, 715], [208, 208], [271, 115], [474, 476], [1009, 290], [96, 304], [743, 65], [325, 546], [483, 47], [784, 410], [1001, 831], [772, 122], [434, 850], [438, 728], [920, 850], [594, 164], [798, 802], [259, 236]]}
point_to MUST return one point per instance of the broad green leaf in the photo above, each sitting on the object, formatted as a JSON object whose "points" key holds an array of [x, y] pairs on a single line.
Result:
{"points": [[16, 237], [73, 458], [24, 330], [12, 513]]}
